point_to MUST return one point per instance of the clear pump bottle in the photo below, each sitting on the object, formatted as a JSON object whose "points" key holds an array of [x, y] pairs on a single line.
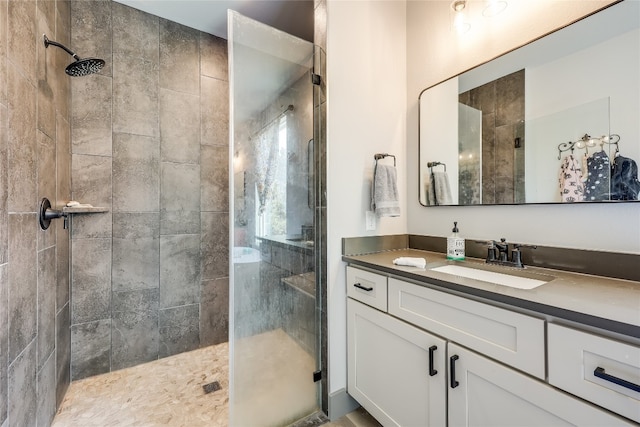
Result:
{"points": [[455, 245]]}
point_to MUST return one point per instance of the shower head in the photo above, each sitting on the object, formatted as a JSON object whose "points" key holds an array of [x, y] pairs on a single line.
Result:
{"points": [[81, 67]]}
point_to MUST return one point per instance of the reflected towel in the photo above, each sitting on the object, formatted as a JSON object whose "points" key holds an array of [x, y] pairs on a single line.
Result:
{"points": [[411, 262], [438, 190], [384, 200]]}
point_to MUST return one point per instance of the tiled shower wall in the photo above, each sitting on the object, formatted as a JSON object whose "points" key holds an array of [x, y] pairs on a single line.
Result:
{"points": [[150, 142], [34, 163]]}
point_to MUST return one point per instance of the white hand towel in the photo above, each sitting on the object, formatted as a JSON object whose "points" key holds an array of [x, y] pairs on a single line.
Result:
{"points": [[411, 262], [385, 191]]}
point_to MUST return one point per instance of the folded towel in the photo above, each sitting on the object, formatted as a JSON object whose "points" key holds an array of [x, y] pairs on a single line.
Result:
{"points": [[438, 189], [411, 262], [384, 200]]}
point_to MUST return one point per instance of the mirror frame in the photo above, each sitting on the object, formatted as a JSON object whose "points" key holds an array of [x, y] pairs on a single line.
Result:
{"points": [[420, 148]]}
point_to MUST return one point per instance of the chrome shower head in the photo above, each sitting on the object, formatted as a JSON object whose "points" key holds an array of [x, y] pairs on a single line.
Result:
{"points": [[81, 67]]}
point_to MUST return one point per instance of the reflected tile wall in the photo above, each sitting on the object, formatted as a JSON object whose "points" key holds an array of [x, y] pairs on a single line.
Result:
{"points": [[502, 105], [153, 148]]}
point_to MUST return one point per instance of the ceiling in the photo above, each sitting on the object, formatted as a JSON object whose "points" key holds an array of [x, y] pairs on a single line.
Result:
{"points": [[292, 16]]}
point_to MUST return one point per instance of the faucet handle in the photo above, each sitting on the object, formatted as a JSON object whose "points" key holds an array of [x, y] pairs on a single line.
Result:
{"points": [[516, 254], [491, 249]]}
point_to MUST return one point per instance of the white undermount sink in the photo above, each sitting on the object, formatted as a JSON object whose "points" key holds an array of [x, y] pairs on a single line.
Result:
{"points": [[503, 279]]}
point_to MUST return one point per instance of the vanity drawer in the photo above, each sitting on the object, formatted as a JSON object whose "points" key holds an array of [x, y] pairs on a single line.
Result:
{"points": [[512, 338], [574, 357], [369, 288]]}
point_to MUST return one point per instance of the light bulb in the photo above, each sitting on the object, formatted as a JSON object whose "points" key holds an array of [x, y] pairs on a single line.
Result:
{"points": [[494, 7], [460, 24]]}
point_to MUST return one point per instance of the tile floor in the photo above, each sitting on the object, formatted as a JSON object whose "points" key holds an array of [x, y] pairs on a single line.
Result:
{"points": [[165, 392], [357, 418], [169, 391]]}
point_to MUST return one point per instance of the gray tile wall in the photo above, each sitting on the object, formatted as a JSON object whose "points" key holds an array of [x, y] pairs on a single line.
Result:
{"points": [[150, 142], [35, 162]]}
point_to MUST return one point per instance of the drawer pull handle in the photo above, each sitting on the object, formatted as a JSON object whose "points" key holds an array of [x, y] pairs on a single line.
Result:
{"points": [[452, 364], [599, 372], [432, 371], [364, 288]]}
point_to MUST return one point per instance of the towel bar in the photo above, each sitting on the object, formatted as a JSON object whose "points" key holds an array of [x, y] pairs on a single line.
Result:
{"points": [[433, 164], [379, 156]]}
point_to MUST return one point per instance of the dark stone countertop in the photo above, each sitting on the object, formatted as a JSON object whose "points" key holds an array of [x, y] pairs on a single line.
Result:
{"points": [[604, 303]]}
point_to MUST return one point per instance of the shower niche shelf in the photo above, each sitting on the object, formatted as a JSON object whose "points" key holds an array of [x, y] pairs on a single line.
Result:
{"points": [[84, 210], [47, 213]]}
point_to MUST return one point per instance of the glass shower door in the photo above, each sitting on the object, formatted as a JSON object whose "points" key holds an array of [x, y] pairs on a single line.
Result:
{"points": [[273, 313]]}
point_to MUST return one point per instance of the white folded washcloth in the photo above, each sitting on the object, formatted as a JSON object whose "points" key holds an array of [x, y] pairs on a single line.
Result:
{"points": [[411, 262]]}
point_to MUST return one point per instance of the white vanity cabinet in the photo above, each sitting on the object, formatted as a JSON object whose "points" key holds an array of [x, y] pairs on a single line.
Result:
{"points": [[430, 358], [599, 369], [513, 338], [486, 393], [396, 371]]}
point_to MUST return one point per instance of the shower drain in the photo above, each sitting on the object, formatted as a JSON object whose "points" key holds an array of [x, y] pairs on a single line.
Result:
{"points": [[211, 387]]}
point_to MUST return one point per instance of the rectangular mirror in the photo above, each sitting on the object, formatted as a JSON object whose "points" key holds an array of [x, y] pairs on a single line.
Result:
{"points": [[554, 121]]}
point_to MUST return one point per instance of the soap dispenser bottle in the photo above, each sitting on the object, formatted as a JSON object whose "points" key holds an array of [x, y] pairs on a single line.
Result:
{"points": [[455, 245]]}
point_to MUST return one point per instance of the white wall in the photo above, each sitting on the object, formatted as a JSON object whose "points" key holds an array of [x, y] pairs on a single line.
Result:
{"points": [[375, 72], [571, 88], [434, 54], [366, 114], [442, 135]]}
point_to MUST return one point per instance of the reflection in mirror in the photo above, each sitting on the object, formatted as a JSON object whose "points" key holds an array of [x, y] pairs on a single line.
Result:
{"points": [[555, 121]]}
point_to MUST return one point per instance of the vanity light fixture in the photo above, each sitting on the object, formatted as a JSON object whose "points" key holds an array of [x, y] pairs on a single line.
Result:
{"points": [[459, 20], [459, 5], [493, 8]]}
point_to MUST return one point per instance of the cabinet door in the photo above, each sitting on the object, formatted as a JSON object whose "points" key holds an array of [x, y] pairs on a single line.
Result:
{"points": [[490, 394], [389, 369]]}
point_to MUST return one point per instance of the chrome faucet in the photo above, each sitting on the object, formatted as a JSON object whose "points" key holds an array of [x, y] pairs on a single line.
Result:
{"points": [[498, 253]]}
